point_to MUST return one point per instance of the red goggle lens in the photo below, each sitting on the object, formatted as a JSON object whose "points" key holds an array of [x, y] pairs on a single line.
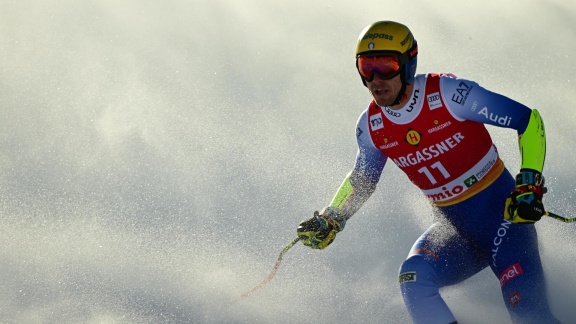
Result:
{"points": [[386, 66]]}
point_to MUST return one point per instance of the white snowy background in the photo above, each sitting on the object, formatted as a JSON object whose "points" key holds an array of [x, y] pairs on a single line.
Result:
{"points": [[156, 156]]}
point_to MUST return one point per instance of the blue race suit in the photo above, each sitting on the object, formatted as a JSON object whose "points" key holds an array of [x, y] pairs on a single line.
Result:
{"points": [[469, 232]]}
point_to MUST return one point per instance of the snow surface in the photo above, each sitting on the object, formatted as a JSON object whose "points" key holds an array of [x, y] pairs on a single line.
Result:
{"points": [[156, 156]]}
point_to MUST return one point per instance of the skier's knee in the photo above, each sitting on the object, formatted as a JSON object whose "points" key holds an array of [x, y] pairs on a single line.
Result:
{"points": [[420, 291], [416, 274]]}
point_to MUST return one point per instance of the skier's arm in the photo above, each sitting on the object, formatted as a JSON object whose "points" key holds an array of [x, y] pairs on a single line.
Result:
{"points": [[524, 205], [467, 100], [359, 184], [320, 230]]}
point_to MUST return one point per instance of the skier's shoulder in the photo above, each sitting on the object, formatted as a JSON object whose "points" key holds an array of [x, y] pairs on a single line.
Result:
{"points": [[362, 127], [362, 122]]}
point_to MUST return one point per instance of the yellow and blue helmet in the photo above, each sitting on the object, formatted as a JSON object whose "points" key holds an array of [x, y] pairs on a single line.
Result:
{"points": [[389, 38]]}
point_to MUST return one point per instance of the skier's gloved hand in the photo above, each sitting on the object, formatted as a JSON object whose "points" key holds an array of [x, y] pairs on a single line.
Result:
{"points": [[320, 230], [524, 205]]}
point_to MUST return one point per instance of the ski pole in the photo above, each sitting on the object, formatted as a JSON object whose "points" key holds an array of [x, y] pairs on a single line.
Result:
{"points": [[271, 275], [560, 218], [294, 241]]}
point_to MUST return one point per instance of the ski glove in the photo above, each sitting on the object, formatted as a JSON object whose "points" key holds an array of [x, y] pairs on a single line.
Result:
{"points": [[524, 205], [320, 230]]}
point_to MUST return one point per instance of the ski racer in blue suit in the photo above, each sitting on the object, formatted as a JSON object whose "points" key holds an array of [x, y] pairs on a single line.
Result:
{"points": [[433, 128]]}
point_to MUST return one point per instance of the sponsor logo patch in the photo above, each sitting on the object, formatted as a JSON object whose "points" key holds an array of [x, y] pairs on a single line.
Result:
{"points": [[462, 93], [413, 137], [499, 238], [515, 299], [474, 105], [427, 153], [375, 36], [407, 277], [376, 122], [439, 127], [496, 119], [414, 100], [392, 112], [510, 273], [434, 100], [388, 145], [470, 181]]}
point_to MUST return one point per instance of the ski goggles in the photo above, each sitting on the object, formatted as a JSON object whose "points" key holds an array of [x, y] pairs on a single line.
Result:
{"points": [[386, 66], [386, 63]]}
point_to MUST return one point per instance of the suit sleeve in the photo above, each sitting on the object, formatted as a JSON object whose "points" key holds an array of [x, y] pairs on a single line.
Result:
{"points": [[533, 143], [361, 182], [467, 100]]}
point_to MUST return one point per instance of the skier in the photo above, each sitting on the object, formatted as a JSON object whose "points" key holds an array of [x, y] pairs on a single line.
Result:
{"points": [[432, 127]]}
